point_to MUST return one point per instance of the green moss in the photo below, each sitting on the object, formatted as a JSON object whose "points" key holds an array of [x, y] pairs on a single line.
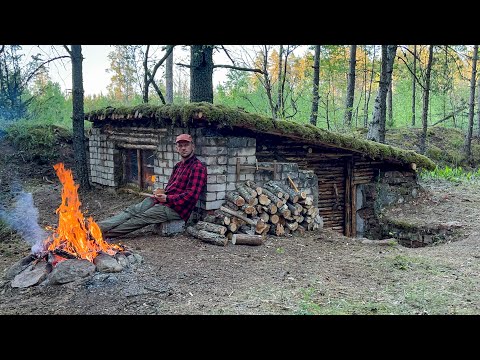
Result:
{"points": [[224, 116]]}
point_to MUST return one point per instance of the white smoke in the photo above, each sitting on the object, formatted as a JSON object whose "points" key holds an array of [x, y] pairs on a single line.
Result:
{"points": [[23, 218]]}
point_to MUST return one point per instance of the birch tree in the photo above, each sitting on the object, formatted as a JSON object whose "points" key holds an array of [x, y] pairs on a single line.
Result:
{"points": [[350, 86]]}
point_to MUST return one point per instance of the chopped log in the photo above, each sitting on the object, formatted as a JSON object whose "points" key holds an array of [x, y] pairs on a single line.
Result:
{"points": [[274, 218], [231, 205], [277, 190], [254, 186], [271, 208], [300, 230], [293, 209], [264, 216], [239, 215], [285, 212], [292, 194], [292, 225], [278, 193], [217, 218], [246, 239], [233, 227], [211, 227], [247, 193], [208, 237], [274, 198], [308, 200], [264, 199], [235, 197], [246, 229]]}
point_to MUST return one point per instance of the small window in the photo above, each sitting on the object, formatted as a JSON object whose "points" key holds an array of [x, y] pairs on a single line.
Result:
{"points": [[138, 168]]}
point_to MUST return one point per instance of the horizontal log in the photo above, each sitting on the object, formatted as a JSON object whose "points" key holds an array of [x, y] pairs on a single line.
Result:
{"points": [[211, 227], [246, 239], [208, 237]]}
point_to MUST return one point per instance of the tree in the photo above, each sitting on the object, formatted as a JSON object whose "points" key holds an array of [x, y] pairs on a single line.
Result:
{"points": [[78, 116], [471, 105], [426, 95], [350, 86], [414, 81], [169, 78], [376, 129], [149, 76], [125, 76], [316, 80], [201, 73]]}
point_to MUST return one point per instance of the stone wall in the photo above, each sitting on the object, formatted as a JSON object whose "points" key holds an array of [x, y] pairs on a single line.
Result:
{"points": [[389, 188]]}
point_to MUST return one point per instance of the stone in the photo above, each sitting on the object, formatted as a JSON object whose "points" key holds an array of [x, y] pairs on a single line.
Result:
{"points": [[170, 228]]}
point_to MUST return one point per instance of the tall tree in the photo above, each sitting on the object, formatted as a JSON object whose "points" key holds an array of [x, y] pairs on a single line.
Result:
{"points": [[350, 86], [279, 106], [201, 73], [78, 116], [123, 66], [390, 104], [376, 129], [414, 82], [471, 105], [316, 80], [149, 76], [426, 96], [369, 92], [169, 79]]}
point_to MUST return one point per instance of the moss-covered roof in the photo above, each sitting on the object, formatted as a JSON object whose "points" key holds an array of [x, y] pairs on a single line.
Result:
{"points": [[223, 116]]}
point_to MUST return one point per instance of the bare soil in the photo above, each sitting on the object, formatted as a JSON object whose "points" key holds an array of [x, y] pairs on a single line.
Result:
{"points": [[322, 272]]}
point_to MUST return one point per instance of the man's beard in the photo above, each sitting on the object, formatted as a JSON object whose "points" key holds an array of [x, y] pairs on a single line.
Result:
{"points": [[186, 156]]}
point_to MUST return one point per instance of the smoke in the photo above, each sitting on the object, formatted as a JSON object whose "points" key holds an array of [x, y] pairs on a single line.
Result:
{"points": [[23, 218]]}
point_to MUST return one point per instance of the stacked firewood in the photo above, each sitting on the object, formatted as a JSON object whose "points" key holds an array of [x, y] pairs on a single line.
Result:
{"points": [[250, 212]]}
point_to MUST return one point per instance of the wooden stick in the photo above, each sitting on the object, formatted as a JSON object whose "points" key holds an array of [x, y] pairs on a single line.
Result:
{"points": [[293, 184]]}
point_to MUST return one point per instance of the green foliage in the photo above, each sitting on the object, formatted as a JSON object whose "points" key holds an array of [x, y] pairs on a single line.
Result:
{"points": [[51, 107], [456, 174], [37, 142]]}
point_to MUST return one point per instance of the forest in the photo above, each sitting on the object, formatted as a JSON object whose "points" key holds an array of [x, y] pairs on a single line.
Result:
{"points": [[356, 89], [423, 98]]}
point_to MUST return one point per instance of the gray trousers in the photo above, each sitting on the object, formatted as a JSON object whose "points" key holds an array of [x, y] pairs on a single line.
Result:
{"points": [[135, 217]]}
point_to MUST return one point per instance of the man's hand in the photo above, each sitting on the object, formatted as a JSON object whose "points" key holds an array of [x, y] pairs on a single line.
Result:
{"points": [[161, 197]]}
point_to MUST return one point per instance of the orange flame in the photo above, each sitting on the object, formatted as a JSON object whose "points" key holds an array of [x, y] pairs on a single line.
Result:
{"points": [[75, 236]]}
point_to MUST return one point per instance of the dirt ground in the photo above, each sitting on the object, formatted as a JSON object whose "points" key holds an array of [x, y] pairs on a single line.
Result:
{"points": [[320, 273]]}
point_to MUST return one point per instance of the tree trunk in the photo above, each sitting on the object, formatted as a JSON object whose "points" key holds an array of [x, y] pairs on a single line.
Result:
{"points": [[146, 80], [169, 79], [426, 95], [350, 86], [471, 105], [367, 98], [279, 106], [414, 82], [390, 105], [201, 73], [376, 129], [78, 118], [316, 80]]}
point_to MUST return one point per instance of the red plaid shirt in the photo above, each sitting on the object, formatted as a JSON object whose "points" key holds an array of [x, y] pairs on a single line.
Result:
{"points": [[185, 185]]}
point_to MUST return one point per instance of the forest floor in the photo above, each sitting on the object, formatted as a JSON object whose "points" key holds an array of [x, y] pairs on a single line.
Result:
{"points": [[322, 272]]}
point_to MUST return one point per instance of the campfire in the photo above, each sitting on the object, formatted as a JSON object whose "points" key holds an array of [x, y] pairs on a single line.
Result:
{"points": [[75, 248], [75, 237]]}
